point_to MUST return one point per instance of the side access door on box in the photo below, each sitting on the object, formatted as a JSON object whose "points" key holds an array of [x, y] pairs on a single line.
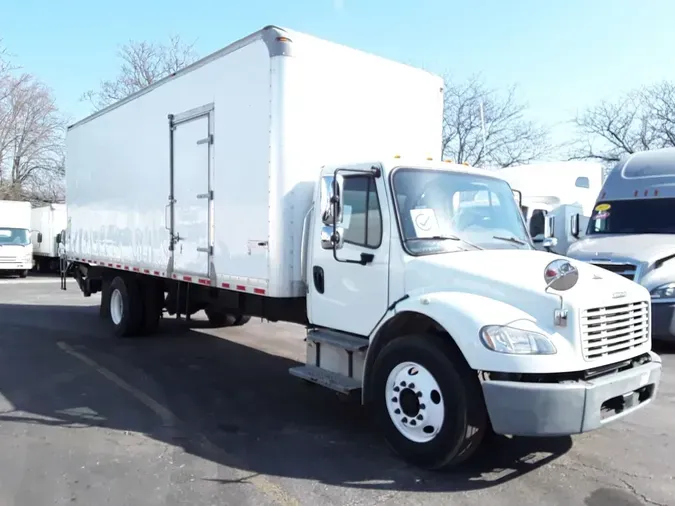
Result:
{"points": [[191, 197]]}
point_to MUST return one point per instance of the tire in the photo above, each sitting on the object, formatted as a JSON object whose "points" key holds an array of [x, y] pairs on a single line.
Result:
{"points": [[153, 304], [218, 318], [23, 274], [240, 320], [125, 294], [104, 307], [458, 412]]}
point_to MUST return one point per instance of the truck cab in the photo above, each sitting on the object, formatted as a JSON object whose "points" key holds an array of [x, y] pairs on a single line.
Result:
{"points": [[425, 292], [632, 231], [16, 249]]}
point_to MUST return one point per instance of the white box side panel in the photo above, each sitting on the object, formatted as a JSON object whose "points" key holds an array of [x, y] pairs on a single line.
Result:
{"points": [[341, 105], [49, 221], [118, 168]]}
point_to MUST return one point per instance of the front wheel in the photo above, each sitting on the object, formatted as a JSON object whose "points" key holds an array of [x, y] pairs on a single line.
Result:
{"points": [[428, 402], [23, 274]]}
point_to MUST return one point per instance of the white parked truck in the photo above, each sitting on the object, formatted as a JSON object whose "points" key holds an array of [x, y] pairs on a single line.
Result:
{"points": [[47, 223], [253, 183], [16, 250]]}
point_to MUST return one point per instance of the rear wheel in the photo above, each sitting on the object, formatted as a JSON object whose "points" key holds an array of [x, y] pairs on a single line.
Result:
{"points": [[126, 307], [240, 320], [218, 318], [428, 402]]}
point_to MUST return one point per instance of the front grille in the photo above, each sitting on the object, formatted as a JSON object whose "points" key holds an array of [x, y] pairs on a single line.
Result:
{"points": [[624, 269], [614, 329], [8, 260]]}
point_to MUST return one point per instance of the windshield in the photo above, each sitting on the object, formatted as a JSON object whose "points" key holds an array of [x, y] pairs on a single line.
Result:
{"points": [[14, 236], [442, 211], [640, 216]]}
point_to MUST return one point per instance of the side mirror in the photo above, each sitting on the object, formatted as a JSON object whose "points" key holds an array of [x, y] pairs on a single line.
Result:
{"points": [[518, 195], [549, 227], [550, 242], [332, 212], [561, 275], [574, 226], [39, 238], [58, 238], [332, 239]]}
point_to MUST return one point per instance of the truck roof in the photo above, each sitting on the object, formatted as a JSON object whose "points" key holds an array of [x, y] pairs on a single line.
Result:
{"points": [[279, 43], [642, 174], [393, 162]]}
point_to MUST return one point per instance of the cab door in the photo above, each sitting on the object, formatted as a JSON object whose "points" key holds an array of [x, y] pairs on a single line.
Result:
{"points": [[348, 287]]}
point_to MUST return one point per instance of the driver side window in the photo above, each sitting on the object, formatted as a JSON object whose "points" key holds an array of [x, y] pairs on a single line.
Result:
{"points": [[362, 217]]}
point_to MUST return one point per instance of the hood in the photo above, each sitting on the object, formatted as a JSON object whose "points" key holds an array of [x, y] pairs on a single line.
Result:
{"points": [[647, 248], [516, 277]]}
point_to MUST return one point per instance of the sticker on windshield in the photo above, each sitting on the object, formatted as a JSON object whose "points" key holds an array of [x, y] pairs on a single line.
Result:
{"points": [[425, 223], [603, 207], [603, 215]]}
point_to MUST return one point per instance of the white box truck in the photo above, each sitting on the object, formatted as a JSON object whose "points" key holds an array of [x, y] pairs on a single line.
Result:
{"points": [[47, 223], [16, 250], [255, 183]]}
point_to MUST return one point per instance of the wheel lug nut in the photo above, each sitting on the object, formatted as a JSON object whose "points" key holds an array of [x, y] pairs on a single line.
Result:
{"points": [[394, 399], [403, 384], [419, 394], [423, 406], [397, 389], [397, 411], [412, 385], [420, 417], [405, 420], [413, 422]]}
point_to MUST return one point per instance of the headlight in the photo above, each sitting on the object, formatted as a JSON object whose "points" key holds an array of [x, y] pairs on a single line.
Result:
{"points": [[515, 341], [666, 291]]}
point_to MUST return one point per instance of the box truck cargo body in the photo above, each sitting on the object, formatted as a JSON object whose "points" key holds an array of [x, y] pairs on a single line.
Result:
{"points": [[47, 223], [266, 180], [16, 250], [250, 126]]}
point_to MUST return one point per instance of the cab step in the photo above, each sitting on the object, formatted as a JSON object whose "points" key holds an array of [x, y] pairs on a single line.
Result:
{"points": [[346, 342], [334, 381]]}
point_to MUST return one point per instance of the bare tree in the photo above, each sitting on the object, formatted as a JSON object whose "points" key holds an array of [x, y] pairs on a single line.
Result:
{"points": [[31, 137], [640, 120], [143, 63], [485, 128]]}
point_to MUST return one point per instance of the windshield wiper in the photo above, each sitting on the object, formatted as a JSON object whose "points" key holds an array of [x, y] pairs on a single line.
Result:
{"points": [[443, 238], [511, 239]]}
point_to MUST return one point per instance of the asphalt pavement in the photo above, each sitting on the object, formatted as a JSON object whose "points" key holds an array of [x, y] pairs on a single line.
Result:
{"points": [[211, 417]]}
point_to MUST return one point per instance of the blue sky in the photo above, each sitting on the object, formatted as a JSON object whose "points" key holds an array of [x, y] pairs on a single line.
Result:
{"points": [[563, 55]]}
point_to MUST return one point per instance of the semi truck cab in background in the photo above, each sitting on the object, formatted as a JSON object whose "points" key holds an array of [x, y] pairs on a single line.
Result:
{"points": [[16, 249], [248, 184], [632, 231]]}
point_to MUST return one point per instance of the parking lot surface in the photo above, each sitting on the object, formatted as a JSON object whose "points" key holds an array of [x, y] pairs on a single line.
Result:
{"points": [[211, 417]]}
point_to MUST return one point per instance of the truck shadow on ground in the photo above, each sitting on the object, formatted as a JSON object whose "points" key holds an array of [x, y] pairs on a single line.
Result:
{"points": [[220, 400]]}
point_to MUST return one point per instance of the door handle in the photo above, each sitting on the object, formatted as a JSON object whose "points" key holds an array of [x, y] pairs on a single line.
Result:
{"points": [[319, 281], [166, 221]]}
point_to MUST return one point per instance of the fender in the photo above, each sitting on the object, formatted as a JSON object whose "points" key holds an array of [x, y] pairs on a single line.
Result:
{"points": [[461, 315]]}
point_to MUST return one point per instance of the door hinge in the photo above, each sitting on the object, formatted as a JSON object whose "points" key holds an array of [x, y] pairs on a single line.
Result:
{"points": [[206, 140], [208, 195]]}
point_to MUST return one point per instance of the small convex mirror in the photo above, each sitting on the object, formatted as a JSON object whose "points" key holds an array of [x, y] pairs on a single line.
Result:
{"points": [[561, 275]]}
